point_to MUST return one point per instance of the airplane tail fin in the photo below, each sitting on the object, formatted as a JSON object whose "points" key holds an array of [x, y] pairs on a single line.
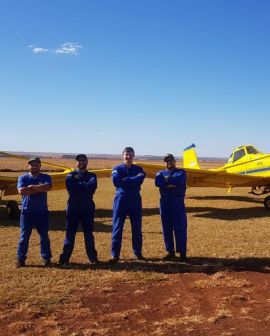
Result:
{"points": [[190, 159]]}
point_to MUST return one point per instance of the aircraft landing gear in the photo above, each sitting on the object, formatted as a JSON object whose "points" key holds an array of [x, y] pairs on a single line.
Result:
{"points": [[13, 209], [258, 190], [267, 203]]}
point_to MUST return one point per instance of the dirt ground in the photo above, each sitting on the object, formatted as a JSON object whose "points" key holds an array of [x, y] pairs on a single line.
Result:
{"points": [[223, 290], [196, 299]]}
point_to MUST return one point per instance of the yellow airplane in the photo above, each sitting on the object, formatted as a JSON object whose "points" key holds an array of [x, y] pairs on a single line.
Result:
{"points": [[8, 184], [245, 167]]}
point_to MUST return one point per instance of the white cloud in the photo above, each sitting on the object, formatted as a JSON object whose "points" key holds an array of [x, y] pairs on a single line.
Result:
{"points": [[68, 48], [37, 50]]}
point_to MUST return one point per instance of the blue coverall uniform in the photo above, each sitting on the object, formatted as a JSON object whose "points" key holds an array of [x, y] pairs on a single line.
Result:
{"points": [[127, 201], [81, 187], [34, 213], [172, 187]]}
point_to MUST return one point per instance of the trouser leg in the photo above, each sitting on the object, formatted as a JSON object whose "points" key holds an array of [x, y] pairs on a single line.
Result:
{"points": [[42, 225], [119, 216], [136, 226], [26, 225], [167, 226], [72, 222], [87, 220], [180, 227]]}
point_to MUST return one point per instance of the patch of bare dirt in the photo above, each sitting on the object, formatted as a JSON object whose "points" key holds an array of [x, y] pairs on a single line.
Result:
{"points": [[226, 302]]}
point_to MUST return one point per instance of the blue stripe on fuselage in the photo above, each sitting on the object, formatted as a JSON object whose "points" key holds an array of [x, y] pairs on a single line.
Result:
{"points": [[254, 171]]}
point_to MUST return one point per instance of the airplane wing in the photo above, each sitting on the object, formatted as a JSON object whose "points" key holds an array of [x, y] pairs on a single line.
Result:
{"points": [[195, 178], [8, 184], [207, 178], [59, 179]]}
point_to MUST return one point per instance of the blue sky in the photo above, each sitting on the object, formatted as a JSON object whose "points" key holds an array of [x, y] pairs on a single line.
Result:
{"points": [[96, 76]]}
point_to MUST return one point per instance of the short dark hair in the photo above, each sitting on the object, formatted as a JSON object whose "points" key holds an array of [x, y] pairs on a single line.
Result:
{"points": [[81, 157], [128, 149]]}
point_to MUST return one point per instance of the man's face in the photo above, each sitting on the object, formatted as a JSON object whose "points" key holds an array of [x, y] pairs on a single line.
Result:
{"points": [[128, 158], [170, 163], [82, 164], [34, 167]]}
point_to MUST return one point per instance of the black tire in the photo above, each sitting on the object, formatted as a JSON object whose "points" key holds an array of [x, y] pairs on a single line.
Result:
{"points": [[267, 203], [13, 210]]}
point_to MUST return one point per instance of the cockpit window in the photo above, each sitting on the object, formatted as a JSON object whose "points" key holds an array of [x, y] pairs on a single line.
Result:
{"points": [[251, 150], [230, 158], [239, 154]]}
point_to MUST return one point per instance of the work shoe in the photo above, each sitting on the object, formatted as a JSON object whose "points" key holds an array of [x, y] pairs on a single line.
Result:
{"points": [[93, 261], [139, 257], [20, 263], [47, 263], [169, 257], [114, 260], [183, 257], [63, 264]]}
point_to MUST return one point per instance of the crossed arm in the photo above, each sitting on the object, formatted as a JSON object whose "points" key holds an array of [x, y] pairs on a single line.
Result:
{"points": [[128, 181], [170, 181], [34, 189], [163, 181]]}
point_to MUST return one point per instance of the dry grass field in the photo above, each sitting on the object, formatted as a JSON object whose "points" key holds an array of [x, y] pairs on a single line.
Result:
{"points": [[223, 290]]}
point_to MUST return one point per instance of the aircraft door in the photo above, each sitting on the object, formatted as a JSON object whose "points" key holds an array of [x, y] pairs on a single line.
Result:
{"points": [[238, 162]]}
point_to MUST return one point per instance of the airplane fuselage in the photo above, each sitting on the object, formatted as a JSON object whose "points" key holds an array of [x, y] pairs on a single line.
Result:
{"points": [[250, 164], [245, 167]]}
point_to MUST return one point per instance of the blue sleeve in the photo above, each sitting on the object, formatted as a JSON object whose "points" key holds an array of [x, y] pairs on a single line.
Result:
{"points": [[92, 183], [48, 180], [21, 182], [160, 181], [178, 178], [70, 182], [117, 180]]}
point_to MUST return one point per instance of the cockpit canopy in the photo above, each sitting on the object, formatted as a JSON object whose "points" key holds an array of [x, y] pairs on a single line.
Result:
{"points": [[241, 152]]}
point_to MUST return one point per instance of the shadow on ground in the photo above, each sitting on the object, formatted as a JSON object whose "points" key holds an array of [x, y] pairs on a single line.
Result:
{"points": [[227, 198], [194, 265], [103, 220], [229, 214], [103, 217]]}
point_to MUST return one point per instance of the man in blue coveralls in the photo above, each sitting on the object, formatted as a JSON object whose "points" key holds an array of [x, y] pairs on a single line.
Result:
{"points": [[127, 178], [81, 186], [33, 187], [172, 187]]}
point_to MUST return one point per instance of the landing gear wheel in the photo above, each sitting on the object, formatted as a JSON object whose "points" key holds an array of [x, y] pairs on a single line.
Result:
{"points": [[257, 191], [267, 203], [13, 209]]}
